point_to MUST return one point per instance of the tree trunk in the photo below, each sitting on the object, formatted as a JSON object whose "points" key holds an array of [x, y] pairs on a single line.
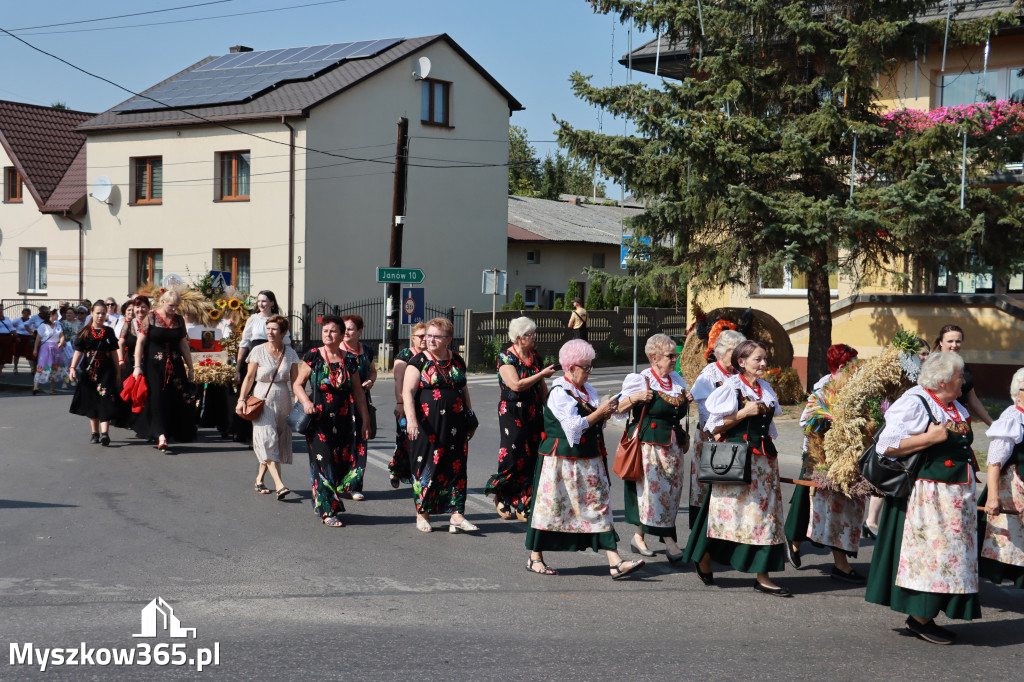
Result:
{"points": [[819, 308]]}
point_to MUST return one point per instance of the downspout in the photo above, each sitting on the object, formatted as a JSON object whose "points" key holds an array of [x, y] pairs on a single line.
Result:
{"points": [[291, 216], [81, 257]]}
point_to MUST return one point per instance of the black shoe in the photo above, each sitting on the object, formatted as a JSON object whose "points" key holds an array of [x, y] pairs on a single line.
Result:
{"points": [[853, 577], [868, 533], [929, 632], [774, 591], [706, 578], [793, 555], [94, 438], [674, 558], [944, 631], [105, 439]]}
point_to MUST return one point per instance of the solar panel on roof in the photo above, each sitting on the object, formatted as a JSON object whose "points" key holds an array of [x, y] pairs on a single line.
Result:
{"points": [[239, 76]]}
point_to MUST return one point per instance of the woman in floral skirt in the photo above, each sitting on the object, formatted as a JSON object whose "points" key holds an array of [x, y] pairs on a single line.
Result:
{"points": [[660, 395], [398, 469], [95, 367], [926, 555], [740, 524], [440, 423], [571, 510], [520, 420], [359, 357], [49, 351]]}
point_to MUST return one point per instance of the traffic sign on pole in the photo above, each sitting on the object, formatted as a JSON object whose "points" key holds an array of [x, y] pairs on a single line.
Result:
{"points": [[399, 275]]}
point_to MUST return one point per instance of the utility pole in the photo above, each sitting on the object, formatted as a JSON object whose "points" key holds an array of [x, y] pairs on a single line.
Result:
{"points": [[397, 209]]}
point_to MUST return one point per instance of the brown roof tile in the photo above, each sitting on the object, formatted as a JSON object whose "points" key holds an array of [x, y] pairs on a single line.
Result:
{"points": [[290, 99], [44, 144]]}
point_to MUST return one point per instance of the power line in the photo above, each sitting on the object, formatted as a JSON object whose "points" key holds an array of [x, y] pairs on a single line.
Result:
{"points": [[453, 164], [124, 16]]}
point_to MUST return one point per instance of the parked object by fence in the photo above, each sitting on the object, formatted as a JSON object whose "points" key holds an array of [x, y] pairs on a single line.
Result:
{"points": [[604, 328]]}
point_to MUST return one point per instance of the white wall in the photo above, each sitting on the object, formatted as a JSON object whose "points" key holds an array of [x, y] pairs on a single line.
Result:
{"points": [[559, 262], [457, 218], [23, 226]]}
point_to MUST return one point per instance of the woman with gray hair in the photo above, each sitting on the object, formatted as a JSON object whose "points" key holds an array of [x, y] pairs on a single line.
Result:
{"points": [[710, 378], [1002, 534], [660, 396], [520, 420], [926, 555]]}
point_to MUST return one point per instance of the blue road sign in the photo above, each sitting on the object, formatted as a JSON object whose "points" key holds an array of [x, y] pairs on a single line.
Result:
{"points": [[414, 307], [624, 255]]}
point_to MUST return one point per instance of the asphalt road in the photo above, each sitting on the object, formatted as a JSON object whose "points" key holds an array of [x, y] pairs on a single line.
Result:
{"points": [[89, 536]]}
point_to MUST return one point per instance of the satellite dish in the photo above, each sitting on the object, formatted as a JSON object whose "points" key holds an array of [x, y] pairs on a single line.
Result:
{"points": [[422, 69], [102, 188], [172, 280]]}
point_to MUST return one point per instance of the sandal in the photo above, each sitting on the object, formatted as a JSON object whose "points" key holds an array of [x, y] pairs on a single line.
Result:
{"points": [[281, 493], [332, 521], [394, 481], [620, 574], [503, 509], [161, 444], [423, 525], [261, 489], [545, 569]]}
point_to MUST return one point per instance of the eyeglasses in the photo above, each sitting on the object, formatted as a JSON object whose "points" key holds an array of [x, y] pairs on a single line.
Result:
{"points": [[671, 356], [586, 369], [419, 336], [529, 335], [111, 303], [434, 337]]}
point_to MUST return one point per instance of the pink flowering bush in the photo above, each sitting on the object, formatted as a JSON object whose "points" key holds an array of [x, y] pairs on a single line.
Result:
{"points": [[990, 115]]}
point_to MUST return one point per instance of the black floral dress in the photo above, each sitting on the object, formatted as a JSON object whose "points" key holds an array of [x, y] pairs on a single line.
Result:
{"points": [[95, 395], [125, 418], [439, 454], [170, 407], [520, 425], [399, 466], [359, 365], [332, 441]]}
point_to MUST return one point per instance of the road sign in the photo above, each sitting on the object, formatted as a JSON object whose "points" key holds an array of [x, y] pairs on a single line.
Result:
{"points": [[399, 275], [221, 279], [413, 305], [495, 283], [624, 251]]}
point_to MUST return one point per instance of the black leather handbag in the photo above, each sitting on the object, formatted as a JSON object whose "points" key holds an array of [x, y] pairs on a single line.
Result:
{"points": [[891, 477], [299, 420], [724, 462], [372, 411]]}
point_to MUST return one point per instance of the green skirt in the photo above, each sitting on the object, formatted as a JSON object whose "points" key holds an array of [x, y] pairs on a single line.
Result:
{"points": [[556, 541], [799, 514], [882, 588], [744, 558], [633, 515], [990, 569]]}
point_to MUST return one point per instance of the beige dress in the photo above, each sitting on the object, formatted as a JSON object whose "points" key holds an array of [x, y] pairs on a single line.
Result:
{"points": [[271, 435]]}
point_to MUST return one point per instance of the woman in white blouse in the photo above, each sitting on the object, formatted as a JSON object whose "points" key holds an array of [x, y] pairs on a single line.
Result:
{"points": [[571, 509], [710, 378], [926, 556], [49, 351], [740, 524], [660, 395], [1002, 535], [255, 331]]}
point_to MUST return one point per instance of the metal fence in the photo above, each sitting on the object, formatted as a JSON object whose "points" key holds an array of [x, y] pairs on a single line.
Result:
{"points": [[12, 307]]}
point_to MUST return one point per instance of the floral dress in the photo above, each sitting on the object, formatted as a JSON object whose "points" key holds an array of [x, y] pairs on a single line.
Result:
{"points": [[827, 518], [438, 456], [520, 424], [571, 509], [359, 365], [170, 407], [399, 466], [710, 378], [926, 555], [332, 441], [50, 364], [97, 375], [653, 502], [1002, 536], [740, 524]]}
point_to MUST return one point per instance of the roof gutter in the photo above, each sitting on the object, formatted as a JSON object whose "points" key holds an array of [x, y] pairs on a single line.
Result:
{"points": [[81, 255], [291, 216]]}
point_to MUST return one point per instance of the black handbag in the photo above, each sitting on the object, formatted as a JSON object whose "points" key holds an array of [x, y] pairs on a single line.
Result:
{"points": [[299, 420], [724, 462], [373, 415], [892, 477]]}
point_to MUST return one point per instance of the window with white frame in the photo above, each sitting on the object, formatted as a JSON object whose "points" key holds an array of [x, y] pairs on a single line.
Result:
{"points": [[994, 84], [533, 256], [34, 271], [789, 282], [532, 297]]}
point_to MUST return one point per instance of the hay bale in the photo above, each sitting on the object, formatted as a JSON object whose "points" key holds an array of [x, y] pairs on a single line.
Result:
{"points": [[763, 327]]}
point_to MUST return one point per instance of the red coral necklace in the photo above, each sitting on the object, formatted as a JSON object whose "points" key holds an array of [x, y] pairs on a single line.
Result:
{"points": [[97, 333], [950, 410], [756, 388], [665, 384]]}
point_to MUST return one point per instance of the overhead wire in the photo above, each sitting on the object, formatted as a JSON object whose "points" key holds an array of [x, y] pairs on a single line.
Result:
{"points": [[124, 16]]}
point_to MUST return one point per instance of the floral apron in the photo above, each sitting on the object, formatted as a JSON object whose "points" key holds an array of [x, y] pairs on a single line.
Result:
{"points": [[1004, 534], [657, 494]]}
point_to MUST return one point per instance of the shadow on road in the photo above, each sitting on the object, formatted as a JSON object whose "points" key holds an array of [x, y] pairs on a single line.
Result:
{"points": [[27, 504]]}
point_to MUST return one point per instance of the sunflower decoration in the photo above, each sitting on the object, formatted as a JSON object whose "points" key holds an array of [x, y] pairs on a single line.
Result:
{"points": [[222, 303], [216, 314], [235, 304], [195, 307]]}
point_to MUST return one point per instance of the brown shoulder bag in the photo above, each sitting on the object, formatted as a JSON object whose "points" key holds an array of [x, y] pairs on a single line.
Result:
{"points": [[629, 461], [253, 406]]}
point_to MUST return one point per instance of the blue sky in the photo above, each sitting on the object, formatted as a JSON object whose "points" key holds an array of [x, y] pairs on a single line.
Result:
{"points": [[529, 46]]}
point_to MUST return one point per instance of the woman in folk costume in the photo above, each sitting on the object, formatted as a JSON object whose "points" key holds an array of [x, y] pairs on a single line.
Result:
{"points": [[926, 556], [740, 524], [658, 399], [710, 378], [571, 509], [1002, 535], [827, 518]]}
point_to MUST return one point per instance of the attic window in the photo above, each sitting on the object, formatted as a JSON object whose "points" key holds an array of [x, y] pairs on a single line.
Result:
{"points": [[12, 185], [533, 256], [434, 103]]}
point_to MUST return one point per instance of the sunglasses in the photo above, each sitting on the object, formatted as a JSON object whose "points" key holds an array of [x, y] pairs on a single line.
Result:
{"points": [[671, 356], [419, 336], [587, 368]]}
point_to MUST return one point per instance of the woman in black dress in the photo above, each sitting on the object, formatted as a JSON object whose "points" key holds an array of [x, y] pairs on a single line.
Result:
{"points": [[97, 375], [951, 340], [126, 344], [440, 424], [332, 441], [399, 467], [163, 356], [359, 357]]}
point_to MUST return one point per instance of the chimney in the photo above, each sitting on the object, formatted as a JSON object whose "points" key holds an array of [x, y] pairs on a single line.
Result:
{"points": [[235, 49]]}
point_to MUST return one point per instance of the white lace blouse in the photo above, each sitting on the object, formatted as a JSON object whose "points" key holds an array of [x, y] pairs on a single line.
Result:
{"points": [[634, 383], [908, 417], [566, 410], [705, 386], [1006, 433], [722, 402]]}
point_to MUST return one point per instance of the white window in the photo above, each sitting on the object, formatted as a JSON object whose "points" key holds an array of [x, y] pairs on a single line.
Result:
{"points": [[34, 271], [968, 88], [532, 297], [786, 282], [972, 283], [533, 256]]}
